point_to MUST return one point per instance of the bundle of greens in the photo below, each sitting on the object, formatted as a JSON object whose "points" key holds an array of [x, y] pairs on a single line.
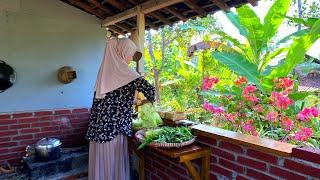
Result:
{"points": [[167, 135], [148, 117]]}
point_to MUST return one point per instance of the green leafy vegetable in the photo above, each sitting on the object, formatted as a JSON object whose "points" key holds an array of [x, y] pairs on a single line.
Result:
{"points": [[147, 117]]}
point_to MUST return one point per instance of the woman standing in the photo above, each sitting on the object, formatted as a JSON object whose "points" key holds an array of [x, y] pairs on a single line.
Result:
{"points": [[111, 113]]}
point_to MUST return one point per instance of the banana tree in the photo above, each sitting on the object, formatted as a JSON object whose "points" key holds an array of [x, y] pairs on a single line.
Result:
{"points": [[251, 59]]}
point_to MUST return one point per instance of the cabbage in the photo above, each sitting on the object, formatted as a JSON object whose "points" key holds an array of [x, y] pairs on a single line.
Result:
{"points": [[148, 117]]}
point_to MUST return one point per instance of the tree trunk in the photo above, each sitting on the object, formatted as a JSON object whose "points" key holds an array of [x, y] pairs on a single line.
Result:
{"points": [[157, 85]]}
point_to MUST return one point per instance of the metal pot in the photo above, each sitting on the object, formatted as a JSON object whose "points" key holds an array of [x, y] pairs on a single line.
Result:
{"points": [[48, 149]]}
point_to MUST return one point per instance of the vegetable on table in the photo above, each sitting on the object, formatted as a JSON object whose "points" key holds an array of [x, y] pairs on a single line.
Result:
{"points": [[167, 135], [148, 117]]}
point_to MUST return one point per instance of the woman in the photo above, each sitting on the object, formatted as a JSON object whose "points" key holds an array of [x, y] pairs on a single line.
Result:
{"points": [[111, 113]]}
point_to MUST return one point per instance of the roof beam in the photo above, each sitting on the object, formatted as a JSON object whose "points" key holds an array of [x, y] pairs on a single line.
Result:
{"points": [[253, 2], [161, 18], [146, 7], [222, 5], [124, 27], [195, 7], [115, 4], [176, 13], [100, 6], [86, 8]]}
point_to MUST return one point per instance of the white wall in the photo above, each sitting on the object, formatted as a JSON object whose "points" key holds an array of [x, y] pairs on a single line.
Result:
{"points": [[37, 37]]}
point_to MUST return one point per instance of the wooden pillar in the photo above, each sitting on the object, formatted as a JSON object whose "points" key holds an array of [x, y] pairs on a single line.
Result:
{"points": [[140, 33]]}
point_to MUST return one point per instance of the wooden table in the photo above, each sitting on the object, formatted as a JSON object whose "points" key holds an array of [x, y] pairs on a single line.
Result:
{"points": [[183, 155]]}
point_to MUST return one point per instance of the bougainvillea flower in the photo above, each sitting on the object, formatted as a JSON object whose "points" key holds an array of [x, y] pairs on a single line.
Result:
{"points": [[258, 108], [314, 111], [307, 113], [272, 116], [209, 82], [249, 127], [281, 101], [230, 117], [287, 124], [304, 134], [249, 89], [240, 81], [213, 109], [285, 83]]}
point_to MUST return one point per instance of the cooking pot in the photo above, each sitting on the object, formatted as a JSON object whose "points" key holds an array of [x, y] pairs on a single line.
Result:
{"points": [[6, 76], [48, 149]]}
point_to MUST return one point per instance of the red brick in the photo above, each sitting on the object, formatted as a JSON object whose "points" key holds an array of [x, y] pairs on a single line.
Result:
{"points": [[30, 130], [302, 168], [2, 128], [18, 149], [51, 128], [285, 174], [47, 134], [43, 113], [40, 124], [62, 112], [252, 163], [221, 153], [261, 176], [262, 156], [47, 118], [221, 170], [241, 178], [8, 156], [83, 116], [213, 159], [28, 142], [8, 144], [28, 120], [178, 169], [206, 140], [231, 165], [213, 177], [7, 121], [19, 126], [27, 136], [5, 116], [308, 154], [231, 147], [8, 133], [4, 139], [21, 115], [4, 150], [80, 110]]}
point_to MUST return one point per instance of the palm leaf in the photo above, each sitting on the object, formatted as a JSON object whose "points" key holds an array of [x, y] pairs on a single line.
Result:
{"points": [[291, 36], [239, 64], [274, 18], [234, 19]]}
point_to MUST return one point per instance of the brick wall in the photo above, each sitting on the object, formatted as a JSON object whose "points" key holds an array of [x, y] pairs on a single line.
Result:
{"points": [[232, 161], [17, 130]]}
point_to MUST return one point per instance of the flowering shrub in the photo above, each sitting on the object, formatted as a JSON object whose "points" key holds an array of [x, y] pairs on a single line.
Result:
{"points": [[243, 108]]}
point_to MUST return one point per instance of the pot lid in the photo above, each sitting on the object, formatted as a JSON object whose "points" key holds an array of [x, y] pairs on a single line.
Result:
{"points": [[49, 142]]}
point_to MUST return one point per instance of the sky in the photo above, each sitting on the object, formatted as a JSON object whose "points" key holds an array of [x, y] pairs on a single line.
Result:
{"points": [[261, 10]]}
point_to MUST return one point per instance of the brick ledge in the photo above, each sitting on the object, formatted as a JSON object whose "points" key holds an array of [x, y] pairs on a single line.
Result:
{"points": [[256, 143]]}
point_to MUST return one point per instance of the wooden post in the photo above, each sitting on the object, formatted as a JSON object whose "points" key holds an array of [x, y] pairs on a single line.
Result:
{"points": [[140, 38]]}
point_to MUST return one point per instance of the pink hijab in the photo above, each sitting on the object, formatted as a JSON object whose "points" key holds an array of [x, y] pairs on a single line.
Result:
{"points": [[114, 71]]}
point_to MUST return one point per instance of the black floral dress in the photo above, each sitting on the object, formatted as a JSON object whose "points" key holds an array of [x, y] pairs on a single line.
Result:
{"points": [[113, 114]]}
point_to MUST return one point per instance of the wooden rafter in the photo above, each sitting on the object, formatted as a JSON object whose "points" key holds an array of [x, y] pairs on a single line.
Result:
{"points": [[101, 6], [161, 18], [146, 7], [222, 5], [176, 13], [123, 26], [195, 7], [253, 2], [86, 8], [115, 30], [115, 4]]}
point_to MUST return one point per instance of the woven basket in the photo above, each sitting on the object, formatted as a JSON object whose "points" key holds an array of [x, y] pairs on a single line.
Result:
{"points": [[140, 137]]}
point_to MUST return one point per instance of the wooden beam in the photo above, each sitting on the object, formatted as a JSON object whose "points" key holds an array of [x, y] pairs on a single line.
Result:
{"points": [[123, 26], [115, 4], [195, 7], [115, 30], [86, 8], [176, 13], [222, 5], [161, 18], [101, 6], [146, 7], [253, 2], [141, 33]]}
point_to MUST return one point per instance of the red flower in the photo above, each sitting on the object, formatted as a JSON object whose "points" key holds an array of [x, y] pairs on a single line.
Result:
{"points": [[258, 108], [248, 93], [281, 101], [209, 82], [230, 117], [285, 83], [307, 113], [211, 108], [272, 116], [303, 135], [249, 127], [287, 124], [241, 80]]}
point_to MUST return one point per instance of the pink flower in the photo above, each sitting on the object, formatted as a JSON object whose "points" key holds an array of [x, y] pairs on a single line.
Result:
{"points": [[287, 124], [258, 108], [314, 111], [230, 117], [211, 108], [209, 82], [249, 89], [281, 100], [285, 83], [241, 80], [251, 98], [304, 134], [307, 113], [272, 116], [249, 127]]}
